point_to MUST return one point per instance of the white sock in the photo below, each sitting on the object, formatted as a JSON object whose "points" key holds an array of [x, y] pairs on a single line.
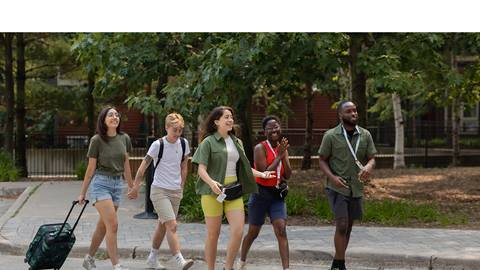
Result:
{"points": [[179, 258], [117, 266], [154, 252]]}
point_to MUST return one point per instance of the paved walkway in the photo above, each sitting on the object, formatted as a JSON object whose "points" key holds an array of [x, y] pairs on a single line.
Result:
{"points": [[51, 200]]}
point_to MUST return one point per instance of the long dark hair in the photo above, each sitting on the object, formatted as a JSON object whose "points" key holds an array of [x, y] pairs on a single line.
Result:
{"points": [[209, 127], [102, 127]]}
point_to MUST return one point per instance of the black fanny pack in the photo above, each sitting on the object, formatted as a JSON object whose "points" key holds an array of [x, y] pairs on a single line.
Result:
{"points": [[282, 189], [233, 191]]}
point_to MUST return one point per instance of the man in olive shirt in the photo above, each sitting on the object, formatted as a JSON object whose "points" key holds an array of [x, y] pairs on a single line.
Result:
{"points": [[347, 158]]}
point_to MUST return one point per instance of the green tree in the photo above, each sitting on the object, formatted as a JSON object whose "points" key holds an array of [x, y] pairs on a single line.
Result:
{"points": [[20, 143], [297, 62], [7, 40]]}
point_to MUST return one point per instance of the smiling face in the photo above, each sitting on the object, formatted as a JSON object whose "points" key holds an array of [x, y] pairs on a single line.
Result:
{"points": [[273, 131], [225, 122], [112, 119], [174, 131], [348, 114]]}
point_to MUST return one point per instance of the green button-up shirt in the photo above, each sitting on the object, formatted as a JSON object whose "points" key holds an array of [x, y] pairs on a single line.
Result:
{"points": [[340, 159], [212, 152]]}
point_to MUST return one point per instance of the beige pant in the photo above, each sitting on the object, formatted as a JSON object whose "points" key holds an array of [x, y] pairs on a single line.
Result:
{"points": [[166, 202]]}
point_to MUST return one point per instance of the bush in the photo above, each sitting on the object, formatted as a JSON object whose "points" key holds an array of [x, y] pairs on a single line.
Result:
{"points": [[400, 212], [435, 142], [297, 202], [8, 171], [470, 143], [80, 170], [190, 207], [321, 208]]}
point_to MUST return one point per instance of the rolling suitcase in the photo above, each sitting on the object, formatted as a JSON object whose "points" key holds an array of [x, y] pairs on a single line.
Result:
{"points": [[52, 243]]}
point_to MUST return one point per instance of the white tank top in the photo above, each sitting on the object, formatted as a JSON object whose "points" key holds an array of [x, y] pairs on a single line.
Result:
{"points": [[232, 157]]}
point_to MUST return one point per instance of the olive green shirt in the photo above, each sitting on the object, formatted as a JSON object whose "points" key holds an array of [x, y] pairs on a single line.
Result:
{"points": [[212, 152], [110, 155], [340, 159]]}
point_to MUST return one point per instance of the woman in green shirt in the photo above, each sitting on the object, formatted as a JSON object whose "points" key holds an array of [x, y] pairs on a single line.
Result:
{"points": [[108, 166], [221, 160]]}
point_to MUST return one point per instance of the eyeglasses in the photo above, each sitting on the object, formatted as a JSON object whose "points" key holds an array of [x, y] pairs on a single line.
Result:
{"points": [[112, 114]]}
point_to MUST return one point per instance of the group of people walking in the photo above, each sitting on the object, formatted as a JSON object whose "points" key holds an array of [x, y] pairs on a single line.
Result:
{"points": [[224, 176]]}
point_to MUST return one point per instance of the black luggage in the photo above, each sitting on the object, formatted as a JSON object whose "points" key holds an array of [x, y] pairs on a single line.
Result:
{"points": [[52, 243]]}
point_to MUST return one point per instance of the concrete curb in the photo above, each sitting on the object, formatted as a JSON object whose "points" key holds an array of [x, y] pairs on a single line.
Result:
{"points": [[295, 255], [19, 202]]}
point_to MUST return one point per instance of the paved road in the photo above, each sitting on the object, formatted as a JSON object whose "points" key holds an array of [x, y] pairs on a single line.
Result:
{"points": [[50, 202]]}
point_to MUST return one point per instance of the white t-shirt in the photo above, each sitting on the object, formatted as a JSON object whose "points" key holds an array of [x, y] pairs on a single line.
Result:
{"points": [[232, 157], [168, 172]]}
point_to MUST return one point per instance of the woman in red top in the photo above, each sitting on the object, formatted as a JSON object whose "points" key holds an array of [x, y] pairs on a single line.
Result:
{"points": [[271, 155]]}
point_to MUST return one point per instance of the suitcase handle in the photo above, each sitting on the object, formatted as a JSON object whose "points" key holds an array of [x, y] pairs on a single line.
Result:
{"points": [[68, 215]]}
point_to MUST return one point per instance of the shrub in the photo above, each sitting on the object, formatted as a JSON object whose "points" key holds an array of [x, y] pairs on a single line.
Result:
{"points": [[80, 170], [8, 171], [297, 202], [190, 207]]}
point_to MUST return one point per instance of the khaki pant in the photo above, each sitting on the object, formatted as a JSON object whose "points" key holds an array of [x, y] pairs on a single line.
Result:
{"points": [[166, 202]]}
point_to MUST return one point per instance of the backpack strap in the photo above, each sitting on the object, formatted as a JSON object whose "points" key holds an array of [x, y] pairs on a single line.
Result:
{"points": [[183, 143], [160, 153]]}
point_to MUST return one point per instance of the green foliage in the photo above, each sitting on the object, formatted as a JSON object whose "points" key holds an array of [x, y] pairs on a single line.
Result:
{"points": [[190, 207], [8, 171], [470, 142], [297, 202], [395, 213], [435, 142], [80, 170], [321, 208]]}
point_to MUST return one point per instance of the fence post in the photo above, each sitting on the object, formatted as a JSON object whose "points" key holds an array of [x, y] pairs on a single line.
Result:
{"points": [[149, 210]]}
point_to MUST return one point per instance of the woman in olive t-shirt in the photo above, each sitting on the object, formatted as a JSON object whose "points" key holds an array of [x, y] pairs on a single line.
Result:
{"points": [[108, 166]]}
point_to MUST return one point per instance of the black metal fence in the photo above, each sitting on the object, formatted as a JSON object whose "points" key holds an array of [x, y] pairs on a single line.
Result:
{"points": [[53, 156]]}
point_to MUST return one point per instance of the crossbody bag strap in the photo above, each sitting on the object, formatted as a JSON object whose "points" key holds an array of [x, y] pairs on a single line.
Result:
{"points": [[354, 153]]}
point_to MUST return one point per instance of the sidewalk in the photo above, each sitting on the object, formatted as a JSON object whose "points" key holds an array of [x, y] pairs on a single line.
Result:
{"points": [[51, 201]]}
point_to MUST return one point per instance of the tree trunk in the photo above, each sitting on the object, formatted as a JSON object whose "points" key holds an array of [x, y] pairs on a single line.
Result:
{"points": [[149, 117], [159, 119], [358, 78], [244, 115], [399, 156], [91, 104], [307, 147], [456, 109], [20, 144], [9, 94], [455, 132]]}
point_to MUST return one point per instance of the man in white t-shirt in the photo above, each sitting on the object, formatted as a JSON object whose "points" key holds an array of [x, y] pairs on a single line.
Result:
{"points": [[169, 155]]}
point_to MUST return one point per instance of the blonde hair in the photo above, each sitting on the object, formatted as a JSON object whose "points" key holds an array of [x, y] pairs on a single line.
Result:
{"points": [[174, 119]]}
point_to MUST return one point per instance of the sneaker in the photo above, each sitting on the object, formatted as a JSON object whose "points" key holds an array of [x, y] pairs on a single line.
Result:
{"points": [[152, 263], [241, 265], [89, 263], [185, 265], [119, 267]]}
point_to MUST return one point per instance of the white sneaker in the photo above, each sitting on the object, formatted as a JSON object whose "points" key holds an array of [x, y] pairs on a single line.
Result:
{"points": [[185, 265], [241, 265], [119, 267], [89, 263], [152, 262]]}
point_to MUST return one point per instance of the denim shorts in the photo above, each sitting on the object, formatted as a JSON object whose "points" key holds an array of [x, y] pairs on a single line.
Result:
{"points": [[264, 203], [104, 187]]}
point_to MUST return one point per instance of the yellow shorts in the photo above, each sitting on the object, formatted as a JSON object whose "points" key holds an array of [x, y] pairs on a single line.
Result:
{"points": [[212, 208]]}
